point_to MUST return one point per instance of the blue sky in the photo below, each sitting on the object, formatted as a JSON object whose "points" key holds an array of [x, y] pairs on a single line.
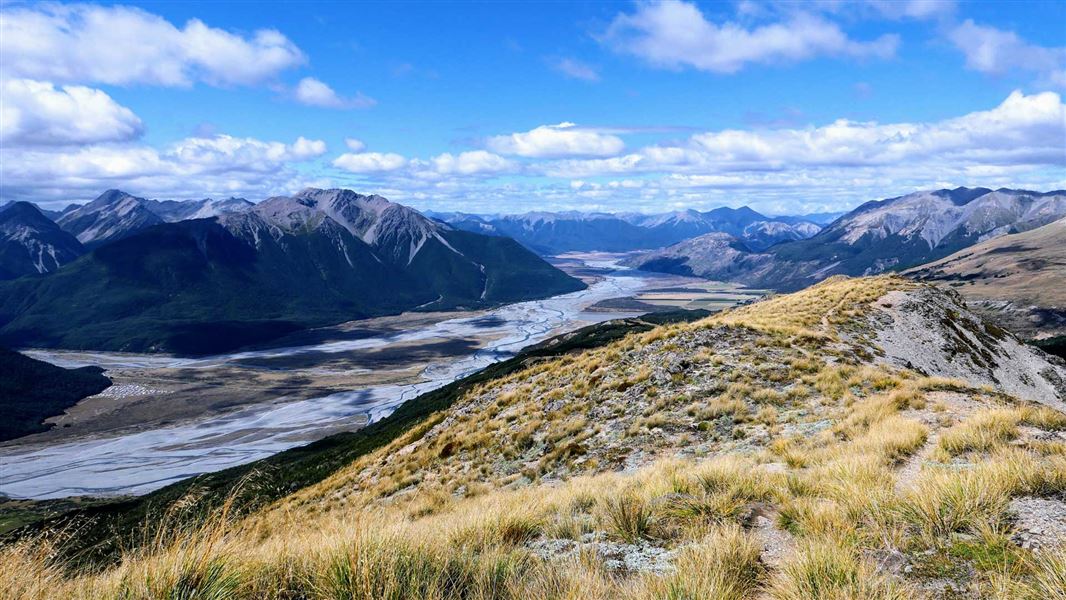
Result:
{"points": [[494, 106]]}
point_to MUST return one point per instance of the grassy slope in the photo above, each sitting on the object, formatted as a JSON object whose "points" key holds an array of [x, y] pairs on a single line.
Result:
{"points": [[32, 390], [1026, 269], [107, 528], [763, 448]]}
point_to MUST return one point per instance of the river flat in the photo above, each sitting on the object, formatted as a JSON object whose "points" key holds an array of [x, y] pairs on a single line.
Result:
{"points": [[143, 455]]}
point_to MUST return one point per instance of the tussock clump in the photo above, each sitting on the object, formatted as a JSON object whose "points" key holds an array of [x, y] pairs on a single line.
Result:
{"points": [[724, 565], [630, 516], [981, 432], [831, 571]]}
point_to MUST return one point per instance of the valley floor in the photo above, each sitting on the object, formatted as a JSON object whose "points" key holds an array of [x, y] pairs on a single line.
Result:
{"points": [[168, 418]]}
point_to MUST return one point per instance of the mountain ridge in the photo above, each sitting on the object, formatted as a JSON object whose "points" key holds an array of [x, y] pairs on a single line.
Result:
{"points": [[890, 234], [209, 285], [115, 214], [31, 243], [1018, 280], [559, 232]]}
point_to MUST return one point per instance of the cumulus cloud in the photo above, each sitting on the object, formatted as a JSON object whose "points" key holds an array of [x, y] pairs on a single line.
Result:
{"points": [[564, 139], [1022, 127], [369, 162], [354, 145], [1022, 130], [217, 165], [398, 168], [675, 34], [470, 163], [575, 69], [1017, 143], [312, 92], [122, 45], [242, 153], [303, 148], [997, 52], [37, 113]]}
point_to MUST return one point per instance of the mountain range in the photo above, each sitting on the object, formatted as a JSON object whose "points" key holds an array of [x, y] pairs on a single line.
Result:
{"points": [[551, 233], [37, 241], [116, 214], [211, 284], [882, 235]]}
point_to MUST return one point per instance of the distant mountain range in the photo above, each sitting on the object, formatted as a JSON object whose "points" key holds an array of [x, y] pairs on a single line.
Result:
{"points": [[35, 240], [877, 236], [123, 272], [211, 284], [551, 233], [116, 214]]}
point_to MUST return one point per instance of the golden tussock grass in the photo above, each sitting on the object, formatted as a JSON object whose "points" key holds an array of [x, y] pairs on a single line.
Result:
{"points": [[804, 434]]}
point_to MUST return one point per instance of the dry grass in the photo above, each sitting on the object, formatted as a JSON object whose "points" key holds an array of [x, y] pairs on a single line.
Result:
{"points": [[982, 432], [610, 445], [724, 565], [828, 570]]}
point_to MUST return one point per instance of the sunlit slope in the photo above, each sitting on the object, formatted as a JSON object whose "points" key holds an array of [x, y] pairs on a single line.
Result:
{"points": [[1019, 279], [803, 446], [721, 384]]}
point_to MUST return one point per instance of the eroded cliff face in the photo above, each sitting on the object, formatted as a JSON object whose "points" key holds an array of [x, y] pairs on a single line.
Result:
{"points": [[932, 332]]}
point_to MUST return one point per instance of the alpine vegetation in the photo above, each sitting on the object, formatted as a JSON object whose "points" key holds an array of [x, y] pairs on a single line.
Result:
{"points": [[802, 446]]}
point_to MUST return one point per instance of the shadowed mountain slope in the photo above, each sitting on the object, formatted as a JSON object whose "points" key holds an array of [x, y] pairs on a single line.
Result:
{"points": [[321, 257], [31, 244], [32, 390]]}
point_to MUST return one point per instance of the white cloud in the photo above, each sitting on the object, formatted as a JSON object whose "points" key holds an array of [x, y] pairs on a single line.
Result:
{"points": [[36, 113], [418, 172], [470, 163], [191, 167], [998, 52], [1022, 130], [315, 93], [564, 139], [303, 148], [835, 165], [244, 153], [123, 45], [369, 162], [312, 92], [575, 69], [354, 145], [674, 34]]}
